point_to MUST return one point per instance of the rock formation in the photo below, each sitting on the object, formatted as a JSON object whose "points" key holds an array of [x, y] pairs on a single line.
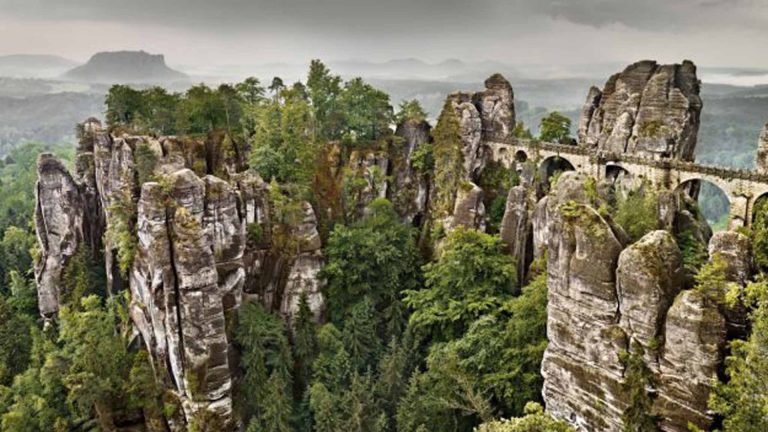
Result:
{"points": [[198, 243], [410, 190], [484, 116], [517, 230], [607, 300], [59, 217], [648, 110]]}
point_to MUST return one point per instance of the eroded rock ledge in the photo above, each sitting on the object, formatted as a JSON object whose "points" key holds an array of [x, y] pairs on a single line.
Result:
{"points": [[193, 259]]}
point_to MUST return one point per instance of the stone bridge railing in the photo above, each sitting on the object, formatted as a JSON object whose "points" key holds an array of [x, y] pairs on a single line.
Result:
{"points": [[725, 173], [743, 187]]}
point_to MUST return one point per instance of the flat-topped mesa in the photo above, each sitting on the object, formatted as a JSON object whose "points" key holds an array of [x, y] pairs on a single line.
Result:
{"points": [[649, 110]]}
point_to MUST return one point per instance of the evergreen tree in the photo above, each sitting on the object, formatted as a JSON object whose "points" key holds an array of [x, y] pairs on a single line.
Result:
{"points": [[473, 276], [375, 258], [304, 346], [411, 110], [741, 399], [360, 338], [265, 353], [276, 414], [448, 160], [324, 90]]}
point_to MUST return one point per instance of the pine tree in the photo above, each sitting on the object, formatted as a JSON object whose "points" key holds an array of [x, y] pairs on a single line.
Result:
{"points": [[448, 160], [304, 346], [276, 413]]}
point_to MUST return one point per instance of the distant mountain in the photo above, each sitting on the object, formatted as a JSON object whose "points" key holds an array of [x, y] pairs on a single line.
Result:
{"points": [[34, 66], [414, 69], [125, 67]]}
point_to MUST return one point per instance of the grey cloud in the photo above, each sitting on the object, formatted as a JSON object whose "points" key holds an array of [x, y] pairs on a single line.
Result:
{"points": [[667, 15]]}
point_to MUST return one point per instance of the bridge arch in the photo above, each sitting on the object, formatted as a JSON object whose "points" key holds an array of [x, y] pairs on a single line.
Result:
{"points": [[521, 156], [551, 166], [714, 200]]}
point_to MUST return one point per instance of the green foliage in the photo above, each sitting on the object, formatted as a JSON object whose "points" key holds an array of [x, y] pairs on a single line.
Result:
{"points": [[423, 160], [276, 413], [255, 232], [14, 252], [448, 160], [741, 399], [496, 212], [492, 367], [124, 105], [324, 90], [37, 399], [305, 346], [760, 234], [636, 212], [266, 362], [93, 359], [360, 336], [120, 234], [535, 420], [283, 145], [472, 277], [15, 341], [556, 128], [712, 280], [81, 277], [367, 112], [522, 132], [638, 416], [694, 251], [146, 160], [411, 110], [375, 258]]}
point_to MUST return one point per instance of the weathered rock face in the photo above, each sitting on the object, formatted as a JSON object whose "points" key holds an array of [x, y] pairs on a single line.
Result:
{"points": [[483, 116], [303, 276], [735, 249], [200, 240], [372, 167], [59, 220], [581, 368], [762, 151], [497, 108], [648, 109], [694, 339], [606, 300], [469, 210], [648, 277], [517, 230], [410, 190]]}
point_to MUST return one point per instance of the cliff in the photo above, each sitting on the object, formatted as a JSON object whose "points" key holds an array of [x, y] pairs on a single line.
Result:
{"points": [[191, 263], [648, 109]]}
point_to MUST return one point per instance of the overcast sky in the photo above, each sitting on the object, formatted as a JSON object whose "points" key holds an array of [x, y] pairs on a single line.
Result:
{"points": [[567, 32]]}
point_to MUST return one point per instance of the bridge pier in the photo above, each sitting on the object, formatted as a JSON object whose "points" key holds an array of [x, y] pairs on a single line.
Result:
{"points": [[739, 212]]}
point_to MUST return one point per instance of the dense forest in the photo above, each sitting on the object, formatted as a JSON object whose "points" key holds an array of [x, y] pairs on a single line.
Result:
{"points": [[425, 329]]}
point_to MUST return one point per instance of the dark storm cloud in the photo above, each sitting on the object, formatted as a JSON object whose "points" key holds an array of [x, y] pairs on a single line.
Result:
{"points": [[201, 32], [415, 16], [353, 16]]}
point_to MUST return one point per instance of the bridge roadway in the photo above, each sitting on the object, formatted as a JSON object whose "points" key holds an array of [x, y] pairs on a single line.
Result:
{"points": [[742, 187]]}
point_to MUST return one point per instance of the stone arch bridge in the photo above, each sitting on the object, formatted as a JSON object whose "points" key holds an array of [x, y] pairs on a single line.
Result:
{"points": [[742, 187]]}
